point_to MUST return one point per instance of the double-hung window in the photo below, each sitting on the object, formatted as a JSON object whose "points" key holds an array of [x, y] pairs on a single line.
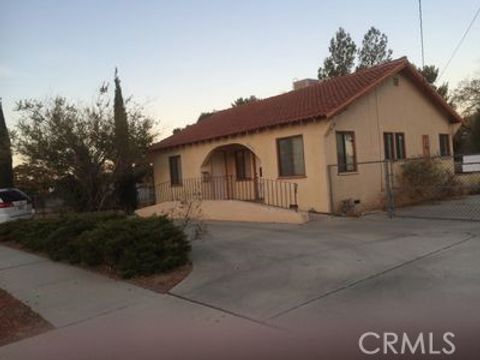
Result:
{"points": [[290, 156], [394, 146], [175, 170], [346, 157]]}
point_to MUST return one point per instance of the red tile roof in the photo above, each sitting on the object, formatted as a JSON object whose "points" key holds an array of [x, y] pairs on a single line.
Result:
{"points": [[323, 100]]}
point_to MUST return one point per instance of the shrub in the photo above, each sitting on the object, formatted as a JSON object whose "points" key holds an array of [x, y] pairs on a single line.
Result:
{"points": [[61, 244], [426, 179], [130, 246], [30, 233], [136, 246]]}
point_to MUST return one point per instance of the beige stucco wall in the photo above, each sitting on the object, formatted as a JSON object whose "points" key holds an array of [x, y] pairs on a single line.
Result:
{"points": [[389, 108], [227, 210], [312, 189]]}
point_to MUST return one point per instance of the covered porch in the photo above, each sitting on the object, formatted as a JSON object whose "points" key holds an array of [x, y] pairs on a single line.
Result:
{"points": [[231, 172]]}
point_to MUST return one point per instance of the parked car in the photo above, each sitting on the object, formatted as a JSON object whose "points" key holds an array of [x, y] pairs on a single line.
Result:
{"points": [[15, 204]]}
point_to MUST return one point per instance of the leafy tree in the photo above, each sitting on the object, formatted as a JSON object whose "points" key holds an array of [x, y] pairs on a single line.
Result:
{"points": [[342, 56], [467, 138], [204, 115], [33, 179], [243, 101], [75, 147], [467, 96], [125, 188], [374, 49], [6, 172], [430, 73], [467, 99]]}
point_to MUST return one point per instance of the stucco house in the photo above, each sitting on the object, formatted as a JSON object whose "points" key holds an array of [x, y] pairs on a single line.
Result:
{"points": [[284, 150]]}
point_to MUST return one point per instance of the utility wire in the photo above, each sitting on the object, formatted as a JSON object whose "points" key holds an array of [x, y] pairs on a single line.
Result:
{"points": [[420, 15], [460, 42]]}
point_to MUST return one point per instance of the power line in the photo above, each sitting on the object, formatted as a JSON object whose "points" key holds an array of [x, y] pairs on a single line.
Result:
{"points": [[460, 42], [420, 14]]}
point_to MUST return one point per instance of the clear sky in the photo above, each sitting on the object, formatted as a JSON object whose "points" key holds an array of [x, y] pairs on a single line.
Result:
{"points": [[183, 57]]}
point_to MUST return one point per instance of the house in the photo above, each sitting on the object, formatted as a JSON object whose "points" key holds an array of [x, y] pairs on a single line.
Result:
{"points": [[291, 150]]}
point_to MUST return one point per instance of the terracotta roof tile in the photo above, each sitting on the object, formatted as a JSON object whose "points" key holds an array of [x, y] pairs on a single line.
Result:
{"points": [[322, 100]]}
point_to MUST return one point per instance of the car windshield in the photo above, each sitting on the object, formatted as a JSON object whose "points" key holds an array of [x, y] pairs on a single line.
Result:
{"points": [[12, 196]]}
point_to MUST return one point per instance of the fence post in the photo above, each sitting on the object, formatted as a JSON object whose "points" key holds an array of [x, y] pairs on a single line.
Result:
{"points": [[389, 189], [330, 186], [295, 191]]}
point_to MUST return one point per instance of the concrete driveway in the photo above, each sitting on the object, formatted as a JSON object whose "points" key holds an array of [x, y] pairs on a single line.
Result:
{"points": [[270, 272], [335, 278]]}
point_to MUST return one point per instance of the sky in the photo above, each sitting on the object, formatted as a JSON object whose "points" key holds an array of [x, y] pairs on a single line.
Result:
{"points": [[180, 58]]}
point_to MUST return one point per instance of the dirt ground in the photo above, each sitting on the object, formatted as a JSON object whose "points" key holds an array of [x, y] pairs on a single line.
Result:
{"points": [[18, 321]]}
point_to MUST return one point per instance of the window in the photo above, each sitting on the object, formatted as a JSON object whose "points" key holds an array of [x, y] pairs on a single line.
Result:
{"points": [[400, 146], [444, 145], [426, 145], [394, 144], [242, 162], [175, 170], [346, 151], [8, 196], [290, 156], [389, 146]]}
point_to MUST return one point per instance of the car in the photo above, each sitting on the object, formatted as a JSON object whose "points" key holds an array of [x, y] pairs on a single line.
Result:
{"points": [[15, 204]]}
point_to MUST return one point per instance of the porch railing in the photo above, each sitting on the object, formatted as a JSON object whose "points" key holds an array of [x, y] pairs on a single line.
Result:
{"points": [[266, 191]]}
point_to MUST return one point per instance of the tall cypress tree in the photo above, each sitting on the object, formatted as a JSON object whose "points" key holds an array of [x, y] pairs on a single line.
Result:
{"points": [[125, 189], [6, 171]]}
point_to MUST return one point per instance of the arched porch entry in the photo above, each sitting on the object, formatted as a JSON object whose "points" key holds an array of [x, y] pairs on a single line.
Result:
{"points": [[232, 172]]}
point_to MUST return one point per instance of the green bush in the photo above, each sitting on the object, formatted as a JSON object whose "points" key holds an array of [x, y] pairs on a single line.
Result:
{"points": [[129, 245], [32, 234], [61, 243], [427, 179], [136, 246]]}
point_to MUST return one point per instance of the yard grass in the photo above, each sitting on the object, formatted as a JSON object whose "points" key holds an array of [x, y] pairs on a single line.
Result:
{"points": [[18, 321]]}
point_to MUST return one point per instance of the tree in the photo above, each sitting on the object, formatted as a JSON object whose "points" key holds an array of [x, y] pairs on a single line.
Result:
{"points": [[342, 56], [6, 172], [242, 101], [467, 96], [467, 100], [125, 181], [33, 179], [430, 73], [75, 147], [374, 49], [205, 115]]}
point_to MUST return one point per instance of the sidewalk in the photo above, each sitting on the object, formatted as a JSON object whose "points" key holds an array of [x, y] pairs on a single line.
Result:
{"points": [[97, 317], [63, 294]]}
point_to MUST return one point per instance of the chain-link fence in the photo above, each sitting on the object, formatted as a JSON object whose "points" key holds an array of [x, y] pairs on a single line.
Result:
{"points": [[436, 187]]}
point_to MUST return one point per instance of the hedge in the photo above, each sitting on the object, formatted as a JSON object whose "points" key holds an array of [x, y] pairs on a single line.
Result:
{"points": [[131, 246]]}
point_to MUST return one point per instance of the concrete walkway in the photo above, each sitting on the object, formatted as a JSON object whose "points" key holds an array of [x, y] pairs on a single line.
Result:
{"points": [[63, 294], [93, 314]]}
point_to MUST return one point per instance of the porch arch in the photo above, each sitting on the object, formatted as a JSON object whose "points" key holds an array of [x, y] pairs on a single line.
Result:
{"points": [[232, 171]]}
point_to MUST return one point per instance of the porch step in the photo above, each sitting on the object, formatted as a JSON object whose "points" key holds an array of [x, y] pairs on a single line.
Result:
{"points": [[226, 210]]}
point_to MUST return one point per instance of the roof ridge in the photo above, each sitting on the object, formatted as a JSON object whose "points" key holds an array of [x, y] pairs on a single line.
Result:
{"points": [[358, 72], [322, 100]]}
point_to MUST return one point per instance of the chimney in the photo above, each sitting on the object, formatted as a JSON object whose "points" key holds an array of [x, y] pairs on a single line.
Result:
{"points": [[300, 84]]}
